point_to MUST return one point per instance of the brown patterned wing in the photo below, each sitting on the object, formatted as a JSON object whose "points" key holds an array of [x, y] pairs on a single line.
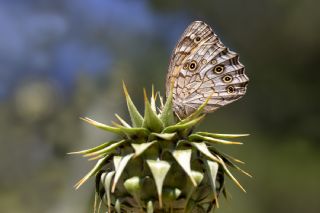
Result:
{"points": [[200, 67]]}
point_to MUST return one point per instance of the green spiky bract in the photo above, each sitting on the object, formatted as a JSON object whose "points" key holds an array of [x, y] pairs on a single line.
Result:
{"points": [[158, 164]]}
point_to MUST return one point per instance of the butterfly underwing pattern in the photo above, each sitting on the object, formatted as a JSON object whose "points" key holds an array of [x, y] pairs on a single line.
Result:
{"points": [[202, 67]]}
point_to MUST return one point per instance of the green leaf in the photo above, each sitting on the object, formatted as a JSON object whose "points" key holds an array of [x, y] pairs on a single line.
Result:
{"points": [[95, 202], [171, 194], [159, 170], [139, 148], [228, 162], [123, 122], [183, 157], [202, 147], [119, 169], [97, 148], [217, 135], [213, 167], [196, 113], [102, 126], [151, 120], [150, 208], [153, 100], [118, 206], [107, 149], [99, 174], [166, 115], [164, 136], [197, 176], [133, 185], [133, 132], [116, 162], [224, 155], [97, 157], [161, 101], [196, 137], [99, 206], [106, 180], [135, 116], [222, 184], [184, 126], [92, 172], [229, 174]]}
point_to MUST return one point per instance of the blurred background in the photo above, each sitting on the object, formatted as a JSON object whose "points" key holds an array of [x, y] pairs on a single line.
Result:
{"points": [[60, 60]]}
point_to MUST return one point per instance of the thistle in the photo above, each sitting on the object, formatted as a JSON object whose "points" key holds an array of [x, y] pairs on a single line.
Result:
{"points": [[158, 163]]}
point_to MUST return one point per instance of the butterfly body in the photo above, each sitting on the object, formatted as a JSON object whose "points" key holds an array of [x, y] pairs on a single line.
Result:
{"points": [[201, 67]]}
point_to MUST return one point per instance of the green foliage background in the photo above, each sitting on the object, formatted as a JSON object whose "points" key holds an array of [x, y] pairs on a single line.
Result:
{"points": [[278, 42]]}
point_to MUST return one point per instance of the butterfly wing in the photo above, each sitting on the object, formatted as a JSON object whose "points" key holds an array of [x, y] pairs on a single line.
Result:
{"points": [[202, 67]]}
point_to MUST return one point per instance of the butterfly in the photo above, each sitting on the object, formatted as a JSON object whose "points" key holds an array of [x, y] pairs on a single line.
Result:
{"points": [[202, 67]]}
